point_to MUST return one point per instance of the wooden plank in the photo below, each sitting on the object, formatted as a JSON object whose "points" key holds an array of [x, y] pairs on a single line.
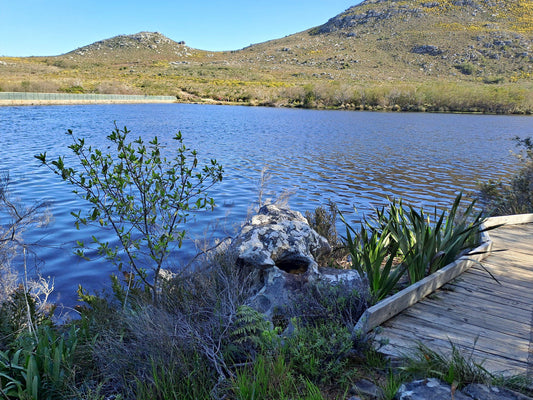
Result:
{"points": [[478, 293], [471, 306], [408, 344], [515, 259], [434, 315], [402, 345], [488, 341], [480, 316], [480, 279], [514, 276], [507, 280], [514, 242], [509, 220]]}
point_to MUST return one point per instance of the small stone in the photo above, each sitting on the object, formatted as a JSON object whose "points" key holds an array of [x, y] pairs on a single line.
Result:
{"points": [[368, 389], [428, 389]]}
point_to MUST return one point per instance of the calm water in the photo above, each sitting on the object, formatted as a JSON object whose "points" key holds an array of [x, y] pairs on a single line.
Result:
{"points": [[353, 158]]}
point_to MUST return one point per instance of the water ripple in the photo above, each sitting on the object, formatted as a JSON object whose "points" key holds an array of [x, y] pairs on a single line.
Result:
{"points": [[353, 158]]}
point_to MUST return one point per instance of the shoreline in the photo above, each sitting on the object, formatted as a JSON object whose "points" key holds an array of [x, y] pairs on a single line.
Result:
{"points": [[16, 99], [34, 99], [16, 103]]}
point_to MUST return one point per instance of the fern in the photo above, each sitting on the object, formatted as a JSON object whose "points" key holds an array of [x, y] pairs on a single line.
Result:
{"points": [[249, 327]]}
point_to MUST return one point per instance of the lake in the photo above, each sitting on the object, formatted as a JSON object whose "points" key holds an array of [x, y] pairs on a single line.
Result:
{"points": [[356, 159]]}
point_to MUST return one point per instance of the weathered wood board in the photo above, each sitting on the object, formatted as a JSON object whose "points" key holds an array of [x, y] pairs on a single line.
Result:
{"points": [[489, 319]]}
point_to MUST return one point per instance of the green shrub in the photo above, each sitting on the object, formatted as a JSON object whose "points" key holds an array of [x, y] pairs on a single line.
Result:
{"points": [[319, 353], [185, 345], [19, 313], [322, 302], [427, 244], [141, 196], [373, 257], [77, 89], [250, 333], [465, 68], [323, 220], [418, 244], [516, 197]]}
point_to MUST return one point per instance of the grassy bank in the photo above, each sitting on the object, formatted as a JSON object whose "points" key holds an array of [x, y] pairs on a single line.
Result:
{"points": [[428, 97]]}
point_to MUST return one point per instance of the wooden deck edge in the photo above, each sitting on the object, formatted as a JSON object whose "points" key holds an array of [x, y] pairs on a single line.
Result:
{"points": [[391, 306], [509, 220]]}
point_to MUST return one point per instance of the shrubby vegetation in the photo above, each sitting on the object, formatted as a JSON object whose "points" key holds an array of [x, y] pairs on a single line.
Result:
{"points": [[516, 196], [142, 197], [403, 243]]}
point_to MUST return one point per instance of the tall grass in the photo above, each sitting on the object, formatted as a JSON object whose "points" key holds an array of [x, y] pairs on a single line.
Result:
{"points": [[456, 367]]}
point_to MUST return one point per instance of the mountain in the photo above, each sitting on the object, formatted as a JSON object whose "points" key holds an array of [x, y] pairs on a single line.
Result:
{"points": [[493, 35], [153, 45], [447, 55]]}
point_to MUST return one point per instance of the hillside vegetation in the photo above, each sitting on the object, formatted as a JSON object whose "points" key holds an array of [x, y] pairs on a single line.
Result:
{"points": [[445, 55]]}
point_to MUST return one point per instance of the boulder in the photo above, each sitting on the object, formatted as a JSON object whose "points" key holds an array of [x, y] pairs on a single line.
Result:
{"points": [[280, 238], [278, 249], [427, 49], [368, 389]]}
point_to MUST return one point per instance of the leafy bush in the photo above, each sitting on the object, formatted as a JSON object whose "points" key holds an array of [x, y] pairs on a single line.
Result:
{"points": [[320, 303], [319, 352], [140, 195], [323, 220], [465, 68], [516, 197], [181, 346]]}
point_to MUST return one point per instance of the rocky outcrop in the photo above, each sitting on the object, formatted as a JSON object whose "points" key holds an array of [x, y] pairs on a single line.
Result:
{"points": [[278, 248], [478, 391], [427, 49], [281, 238], [429, 389], [355, 16], [435, 389]]}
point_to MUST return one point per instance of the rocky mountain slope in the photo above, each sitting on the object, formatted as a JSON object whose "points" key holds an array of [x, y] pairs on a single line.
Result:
{"points": [[143, 44], [462, 55]]}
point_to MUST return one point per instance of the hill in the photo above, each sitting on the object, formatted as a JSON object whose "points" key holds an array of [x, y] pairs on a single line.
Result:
{"points": [[447, 55], [139, 46]]}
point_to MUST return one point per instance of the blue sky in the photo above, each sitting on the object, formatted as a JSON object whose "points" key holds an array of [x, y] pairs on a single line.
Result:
{"points": [[52, 27]]}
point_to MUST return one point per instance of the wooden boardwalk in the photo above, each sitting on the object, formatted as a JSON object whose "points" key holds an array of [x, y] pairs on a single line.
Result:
{"points": [[477, 314]]}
